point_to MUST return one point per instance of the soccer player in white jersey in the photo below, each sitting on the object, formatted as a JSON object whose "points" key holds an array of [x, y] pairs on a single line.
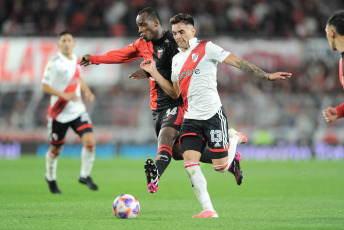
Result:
{"points": [[194, 71], [63, 82]]}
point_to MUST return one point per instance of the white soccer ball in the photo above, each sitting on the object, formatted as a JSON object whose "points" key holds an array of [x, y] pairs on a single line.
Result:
{"points": [[126, 206]]}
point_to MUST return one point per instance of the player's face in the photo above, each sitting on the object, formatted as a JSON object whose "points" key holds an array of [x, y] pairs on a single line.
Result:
{"points": [[330, 36], [66, 44], [182, 33], [147, 26]]}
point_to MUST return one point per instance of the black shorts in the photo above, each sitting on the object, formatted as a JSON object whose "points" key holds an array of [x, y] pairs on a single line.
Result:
{"points": [[171, 117], [213, 132], [57, 130]]}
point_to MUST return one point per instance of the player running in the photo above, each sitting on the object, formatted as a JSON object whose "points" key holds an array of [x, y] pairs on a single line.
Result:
{"points": [[63, 82], [168, 113], [194, 71]]}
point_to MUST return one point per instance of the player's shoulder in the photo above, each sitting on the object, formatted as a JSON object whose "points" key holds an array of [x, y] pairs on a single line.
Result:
{"points": [[139, 41], [55, 58], [53, 61], [205, 42], [169, 40]]}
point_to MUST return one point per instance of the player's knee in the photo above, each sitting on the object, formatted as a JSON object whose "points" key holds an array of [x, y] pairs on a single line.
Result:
{"points": [[177, 156], [221, 167], [90, 147], [55, 151], [176, 153]]}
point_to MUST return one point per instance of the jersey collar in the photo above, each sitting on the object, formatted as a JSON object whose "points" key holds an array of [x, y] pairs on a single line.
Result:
{"points": [[61, 55], [192, 43]]}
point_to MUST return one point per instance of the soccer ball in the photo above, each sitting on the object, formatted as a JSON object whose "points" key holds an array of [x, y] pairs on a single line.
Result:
{"points": [[126, 206]]}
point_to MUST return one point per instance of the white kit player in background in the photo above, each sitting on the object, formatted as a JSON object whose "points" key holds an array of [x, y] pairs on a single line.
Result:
{"points": [[63, 82], [194, 71]]}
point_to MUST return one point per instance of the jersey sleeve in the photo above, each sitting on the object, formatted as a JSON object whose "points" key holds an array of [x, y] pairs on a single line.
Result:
{"points": [[174, 74], [125, 54], [173, 50], [215, 52], [49, 73]]}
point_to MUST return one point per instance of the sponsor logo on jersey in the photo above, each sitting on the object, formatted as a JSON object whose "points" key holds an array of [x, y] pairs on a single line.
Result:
{"points": [[188, 73]]}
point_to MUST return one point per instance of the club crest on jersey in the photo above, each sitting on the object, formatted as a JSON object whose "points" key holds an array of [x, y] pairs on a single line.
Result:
{"points": [[194, 57]]}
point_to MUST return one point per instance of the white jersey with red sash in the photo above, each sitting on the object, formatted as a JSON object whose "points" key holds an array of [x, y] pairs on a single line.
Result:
{"points": [[195, 71], [63, 75]]}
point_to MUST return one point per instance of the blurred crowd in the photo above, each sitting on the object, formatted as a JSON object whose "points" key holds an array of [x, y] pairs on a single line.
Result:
{"points": [[280, 111], [288, 111], [100, 18]]}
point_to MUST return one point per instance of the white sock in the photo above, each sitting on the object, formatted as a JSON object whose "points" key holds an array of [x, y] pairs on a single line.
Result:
{"points": [[87, 159], [233, 143], [199, 185], [50, 165]]}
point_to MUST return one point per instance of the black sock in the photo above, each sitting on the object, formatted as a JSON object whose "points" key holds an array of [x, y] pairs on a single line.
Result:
{"points": [[164, 158], [206, 156]]}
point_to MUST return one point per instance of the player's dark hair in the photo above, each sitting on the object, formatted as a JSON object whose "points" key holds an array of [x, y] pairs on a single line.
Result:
{"points": [[184, 18], [65, 32], [151, 12], [337, 21]]}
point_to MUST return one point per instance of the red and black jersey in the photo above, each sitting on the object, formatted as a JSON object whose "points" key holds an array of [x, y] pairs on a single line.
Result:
{"points": [[162, 51]]}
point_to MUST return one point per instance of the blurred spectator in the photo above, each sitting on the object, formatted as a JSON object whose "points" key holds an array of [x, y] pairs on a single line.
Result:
{"points": [[292, 18]]}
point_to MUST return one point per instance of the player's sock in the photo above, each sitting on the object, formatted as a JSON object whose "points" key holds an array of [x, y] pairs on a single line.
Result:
{"points": [[233, 142], [206, 156], [199, 184], [164, 158], [51, 165], [87, 159]]}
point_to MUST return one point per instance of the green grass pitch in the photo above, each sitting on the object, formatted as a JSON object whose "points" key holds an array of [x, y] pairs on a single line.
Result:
{"points": [[274, 195]]}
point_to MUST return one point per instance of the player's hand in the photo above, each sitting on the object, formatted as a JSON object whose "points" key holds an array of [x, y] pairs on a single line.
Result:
{"points": [[330, 114], [89, 97], [71, 96], [85, 60], [148, 65], [279, 76], [139, 74]]}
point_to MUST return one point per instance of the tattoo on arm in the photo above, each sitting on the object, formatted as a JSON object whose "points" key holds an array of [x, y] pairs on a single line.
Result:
{"points": [[252, 69]]}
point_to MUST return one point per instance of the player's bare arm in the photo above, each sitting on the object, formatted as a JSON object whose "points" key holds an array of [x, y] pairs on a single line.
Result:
{"points": [[254, 70], [85, 60], [70, 96], [150, 66], [88, 93], [138, 74]]}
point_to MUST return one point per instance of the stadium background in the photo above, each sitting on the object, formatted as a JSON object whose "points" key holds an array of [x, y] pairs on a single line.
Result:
{"points": [[283, 120]]}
